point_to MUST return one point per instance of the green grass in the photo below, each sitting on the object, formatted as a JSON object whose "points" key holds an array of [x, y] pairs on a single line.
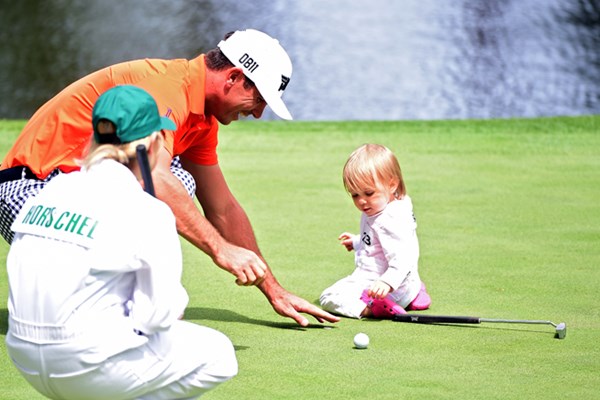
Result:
{"points": [[509, 226]]}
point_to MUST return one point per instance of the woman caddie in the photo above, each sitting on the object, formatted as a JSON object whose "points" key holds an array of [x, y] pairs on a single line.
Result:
{"points": [[94, 270]]}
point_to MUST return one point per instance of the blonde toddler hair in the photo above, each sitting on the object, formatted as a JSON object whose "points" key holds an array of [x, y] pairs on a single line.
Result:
{"points": [[372, 165]]}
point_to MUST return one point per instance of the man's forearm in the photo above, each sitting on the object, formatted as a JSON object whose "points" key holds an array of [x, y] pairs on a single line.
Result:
{"points": [[237, 229], [191, 224]]}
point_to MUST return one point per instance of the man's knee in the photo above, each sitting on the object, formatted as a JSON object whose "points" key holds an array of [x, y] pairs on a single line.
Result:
{"points": [[13, 195], [6, 220], [184, 176]]}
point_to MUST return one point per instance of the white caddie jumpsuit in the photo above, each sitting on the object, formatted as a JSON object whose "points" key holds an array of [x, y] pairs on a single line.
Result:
{"points": [[95, 295], [386, 249]]}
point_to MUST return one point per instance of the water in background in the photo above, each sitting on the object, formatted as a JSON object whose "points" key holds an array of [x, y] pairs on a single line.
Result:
{"points": [[353, 60]]}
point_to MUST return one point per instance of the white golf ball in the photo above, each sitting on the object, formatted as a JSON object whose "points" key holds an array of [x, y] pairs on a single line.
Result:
{"points": [[361, 340]]}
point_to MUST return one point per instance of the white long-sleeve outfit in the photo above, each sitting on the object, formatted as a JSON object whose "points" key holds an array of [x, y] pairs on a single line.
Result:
{"points": [[95, 295], [386, 249]]}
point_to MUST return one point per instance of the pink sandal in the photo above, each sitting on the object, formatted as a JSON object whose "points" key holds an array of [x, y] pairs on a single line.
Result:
{"points": [[384, 308], [422, 301]]}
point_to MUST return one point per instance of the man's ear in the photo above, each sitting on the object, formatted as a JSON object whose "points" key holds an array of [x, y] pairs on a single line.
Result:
{"points": [[234, 75]]}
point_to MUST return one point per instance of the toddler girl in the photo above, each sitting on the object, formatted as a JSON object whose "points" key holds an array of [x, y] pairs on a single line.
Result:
{"points": [[386, 279]]}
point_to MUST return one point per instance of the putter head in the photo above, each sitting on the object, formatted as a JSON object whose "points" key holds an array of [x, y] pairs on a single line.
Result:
{"points": [[561, 331]]}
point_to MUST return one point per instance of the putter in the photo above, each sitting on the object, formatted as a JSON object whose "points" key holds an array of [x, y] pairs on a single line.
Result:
{"points": [[561, 329], [142, 157]]}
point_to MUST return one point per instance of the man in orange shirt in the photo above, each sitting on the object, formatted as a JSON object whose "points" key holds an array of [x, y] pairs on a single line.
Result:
{"points": [[247, 71]]}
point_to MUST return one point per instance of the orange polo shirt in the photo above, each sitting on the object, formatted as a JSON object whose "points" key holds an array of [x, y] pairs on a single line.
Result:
{"points": [[60, 132]]}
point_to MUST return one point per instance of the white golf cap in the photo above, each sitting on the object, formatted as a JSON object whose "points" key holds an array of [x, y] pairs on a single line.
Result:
{"points": [[264, 61]]}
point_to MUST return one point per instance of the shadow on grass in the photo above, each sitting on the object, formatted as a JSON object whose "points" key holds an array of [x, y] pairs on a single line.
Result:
{"points": [[217, 314]]}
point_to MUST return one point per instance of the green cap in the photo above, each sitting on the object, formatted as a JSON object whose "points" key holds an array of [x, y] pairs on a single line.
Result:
{"points": [[132, 110]]}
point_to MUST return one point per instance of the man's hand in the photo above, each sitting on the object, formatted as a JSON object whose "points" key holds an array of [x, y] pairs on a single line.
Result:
{"points": [[289, 305], [244, 264]]}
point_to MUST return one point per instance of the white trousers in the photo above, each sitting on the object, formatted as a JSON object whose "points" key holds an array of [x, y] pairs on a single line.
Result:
{"points": [[343, 297], [182, 363]]}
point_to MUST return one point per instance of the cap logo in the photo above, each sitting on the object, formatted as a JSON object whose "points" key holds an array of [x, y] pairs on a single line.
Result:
{"points": [[248, 62], [284, 82], [263, 60]]}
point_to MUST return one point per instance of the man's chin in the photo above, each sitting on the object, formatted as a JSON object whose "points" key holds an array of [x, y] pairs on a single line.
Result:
{"points": [[224, 120]]}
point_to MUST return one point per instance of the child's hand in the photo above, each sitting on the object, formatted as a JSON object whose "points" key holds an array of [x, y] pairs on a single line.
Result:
{"points": [[379, 290], [346, 240]]}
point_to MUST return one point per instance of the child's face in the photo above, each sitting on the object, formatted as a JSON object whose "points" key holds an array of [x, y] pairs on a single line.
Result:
{"points": [[372, 200]]}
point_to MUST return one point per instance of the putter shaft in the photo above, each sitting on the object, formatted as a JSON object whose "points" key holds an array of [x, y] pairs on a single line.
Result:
{"points": [[518, 321]]}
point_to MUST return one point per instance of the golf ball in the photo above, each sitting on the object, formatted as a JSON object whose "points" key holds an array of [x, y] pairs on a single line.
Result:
{"points": [[361, 340]]}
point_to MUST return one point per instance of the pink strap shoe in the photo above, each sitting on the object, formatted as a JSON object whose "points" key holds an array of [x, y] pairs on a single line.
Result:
{"points": [[422, 301], [384, 308]]}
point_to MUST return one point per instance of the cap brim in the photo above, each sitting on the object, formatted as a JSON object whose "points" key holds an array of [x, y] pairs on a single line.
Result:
{"points": [[279, 108], [166, 123]]}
